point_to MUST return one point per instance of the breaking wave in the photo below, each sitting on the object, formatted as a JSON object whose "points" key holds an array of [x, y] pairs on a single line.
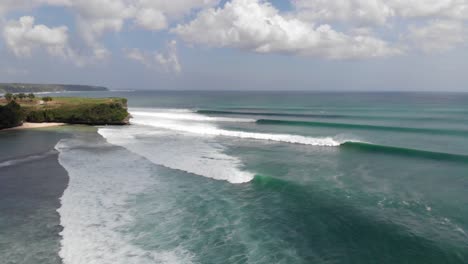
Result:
{"points": [[183, 114], [206, 129]]}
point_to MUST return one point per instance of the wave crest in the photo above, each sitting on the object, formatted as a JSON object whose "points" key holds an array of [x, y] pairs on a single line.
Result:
{"points": [[211, 130]]}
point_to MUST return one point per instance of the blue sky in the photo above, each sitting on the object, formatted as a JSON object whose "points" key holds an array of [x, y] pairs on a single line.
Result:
{"points": [[329, 45]]}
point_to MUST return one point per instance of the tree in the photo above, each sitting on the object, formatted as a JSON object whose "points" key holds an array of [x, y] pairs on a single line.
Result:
{"points": [[47, 99], [9, 96], [31, 96], [21, 96], [11, 115]]}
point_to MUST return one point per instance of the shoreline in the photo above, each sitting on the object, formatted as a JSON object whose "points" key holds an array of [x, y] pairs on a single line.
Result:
{"points": [[27, 125]]}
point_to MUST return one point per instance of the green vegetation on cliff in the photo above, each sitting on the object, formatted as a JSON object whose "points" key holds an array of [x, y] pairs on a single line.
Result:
{"points": [[11, 115], [91, 111], [36, 88]]}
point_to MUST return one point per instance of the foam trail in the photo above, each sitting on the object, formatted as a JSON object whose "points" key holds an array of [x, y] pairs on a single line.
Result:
{"points": [[96, 208], [25, 159], [211, 130]]}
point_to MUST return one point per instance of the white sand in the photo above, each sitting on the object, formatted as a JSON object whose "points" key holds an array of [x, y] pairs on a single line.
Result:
{"points": [[27, 125]]}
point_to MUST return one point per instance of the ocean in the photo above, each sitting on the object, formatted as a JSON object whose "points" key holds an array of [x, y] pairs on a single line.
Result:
{"points": [[243, 177]]}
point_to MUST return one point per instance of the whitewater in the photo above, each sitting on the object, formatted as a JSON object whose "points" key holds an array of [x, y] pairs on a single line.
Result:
{"points": [[96, 208], [168, 119], [182, 139]]}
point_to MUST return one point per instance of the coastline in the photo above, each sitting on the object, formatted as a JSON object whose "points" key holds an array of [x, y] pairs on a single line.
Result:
{"points": [[27, 125]]}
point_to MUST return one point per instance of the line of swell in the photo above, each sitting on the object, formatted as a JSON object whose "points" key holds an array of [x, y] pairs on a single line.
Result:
{"points": [[331, 116], [362, 127], [297, 139], [359, 146], [216, 112]]}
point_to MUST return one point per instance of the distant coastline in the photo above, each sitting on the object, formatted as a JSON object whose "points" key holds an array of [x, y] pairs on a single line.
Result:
{"points": [[47, 88]]}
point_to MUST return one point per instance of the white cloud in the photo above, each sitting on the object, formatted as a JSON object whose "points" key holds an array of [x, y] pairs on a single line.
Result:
{"points": [[8, 5], [95, 17], [156, 14], [438, 35], [379, 11], [450, 9], [138, 55], [23, 36], [151, 19], [168, 61], [355, 11], [309, 29], [256, 25]]}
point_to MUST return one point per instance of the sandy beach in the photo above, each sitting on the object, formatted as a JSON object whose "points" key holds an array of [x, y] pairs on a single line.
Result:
{"points": [[27, 125]]}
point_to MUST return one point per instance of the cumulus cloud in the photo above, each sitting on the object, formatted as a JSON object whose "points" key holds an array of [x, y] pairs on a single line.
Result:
{"points": [[8, 5], [355, 11], [94, 18], [139, 56], [367, 28], [448, 9], [379, 11], [23, 36], [168, 61], [151, 19], [444, 21], [97, 17], [256, 25], [438, 35], [156, 14]]}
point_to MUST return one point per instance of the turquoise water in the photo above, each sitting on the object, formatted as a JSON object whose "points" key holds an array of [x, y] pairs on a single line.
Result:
{"points": [[269, 177]]}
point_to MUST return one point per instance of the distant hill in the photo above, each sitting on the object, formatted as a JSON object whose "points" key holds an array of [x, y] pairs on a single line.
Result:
{"points": [[37, 88]]}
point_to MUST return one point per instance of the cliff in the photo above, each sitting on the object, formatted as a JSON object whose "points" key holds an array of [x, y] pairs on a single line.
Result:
{"points": [[73, 110]]}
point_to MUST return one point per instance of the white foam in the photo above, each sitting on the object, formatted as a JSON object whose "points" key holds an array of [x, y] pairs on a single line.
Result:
{"points": [[184, 140], [96, 211], [211, 130], [183, 114], [195, 155]]}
